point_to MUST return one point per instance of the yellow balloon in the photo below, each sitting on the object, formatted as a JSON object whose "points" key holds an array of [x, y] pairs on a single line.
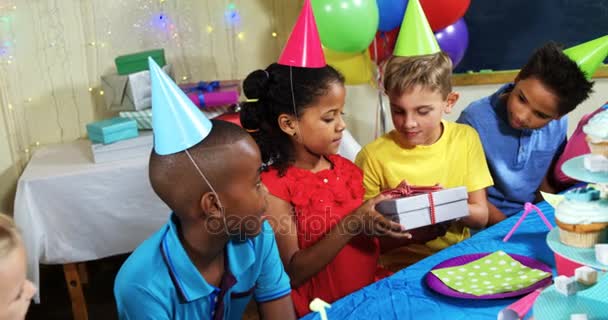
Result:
{"points": [[357, 68]]}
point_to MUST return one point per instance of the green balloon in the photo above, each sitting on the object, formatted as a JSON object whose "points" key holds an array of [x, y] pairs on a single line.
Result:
{"points": [[346, 25]]}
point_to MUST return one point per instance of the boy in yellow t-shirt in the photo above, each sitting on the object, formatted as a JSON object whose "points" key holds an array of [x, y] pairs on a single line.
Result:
{"points": [[424, 149]]}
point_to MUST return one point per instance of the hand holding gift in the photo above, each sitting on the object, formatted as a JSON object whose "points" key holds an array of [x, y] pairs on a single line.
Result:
{"points": [[367, 220]]}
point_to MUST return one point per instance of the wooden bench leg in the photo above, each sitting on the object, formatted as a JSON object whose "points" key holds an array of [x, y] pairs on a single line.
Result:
{"points": [[72, 278], [83, 273]]}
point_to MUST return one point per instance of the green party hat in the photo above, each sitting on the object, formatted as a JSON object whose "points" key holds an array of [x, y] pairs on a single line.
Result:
{"points": [[589, 55], [416, 38]]}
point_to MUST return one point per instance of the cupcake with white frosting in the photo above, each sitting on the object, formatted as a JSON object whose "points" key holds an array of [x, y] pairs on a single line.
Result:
{"points": [[597, 133]]}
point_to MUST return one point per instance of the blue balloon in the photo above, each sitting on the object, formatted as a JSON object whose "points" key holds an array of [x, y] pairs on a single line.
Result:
{"points": [[391, 13]]}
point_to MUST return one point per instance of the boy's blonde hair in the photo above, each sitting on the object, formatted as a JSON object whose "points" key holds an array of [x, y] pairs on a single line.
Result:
{"points": [[9, 235], [432, 71]]}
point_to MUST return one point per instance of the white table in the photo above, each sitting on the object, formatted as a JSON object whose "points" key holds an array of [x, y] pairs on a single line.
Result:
{"points": [[70, 209]]}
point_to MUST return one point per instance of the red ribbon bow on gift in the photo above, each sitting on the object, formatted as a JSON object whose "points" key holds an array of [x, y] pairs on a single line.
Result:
{"points": [[404, 189]]}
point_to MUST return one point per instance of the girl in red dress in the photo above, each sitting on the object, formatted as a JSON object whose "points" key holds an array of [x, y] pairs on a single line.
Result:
{"points": [[324, 231]]}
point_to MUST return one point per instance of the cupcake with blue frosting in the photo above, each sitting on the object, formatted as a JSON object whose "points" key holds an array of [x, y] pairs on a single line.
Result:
{"points": [[582, 218]]}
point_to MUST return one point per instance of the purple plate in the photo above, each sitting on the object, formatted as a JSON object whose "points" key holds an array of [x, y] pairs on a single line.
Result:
{"points": [[434, 283]]}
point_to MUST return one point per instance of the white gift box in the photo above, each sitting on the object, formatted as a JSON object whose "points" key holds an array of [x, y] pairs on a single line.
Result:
{"points": [[128, 92], [414, 211], [140, 146]]}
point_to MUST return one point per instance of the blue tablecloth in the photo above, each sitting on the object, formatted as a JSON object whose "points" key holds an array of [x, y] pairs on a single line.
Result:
{"points": [[405, 295]]}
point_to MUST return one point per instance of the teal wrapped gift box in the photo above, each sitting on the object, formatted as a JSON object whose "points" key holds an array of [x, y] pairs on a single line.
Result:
{"points": [[112, 130]]}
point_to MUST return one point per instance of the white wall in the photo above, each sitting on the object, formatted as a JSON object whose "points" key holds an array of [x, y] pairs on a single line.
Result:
{"points": [[8, 172]]}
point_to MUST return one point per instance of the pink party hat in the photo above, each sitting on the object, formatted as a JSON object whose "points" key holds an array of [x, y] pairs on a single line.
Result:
{"points": [[519, 308], [303, 48]]}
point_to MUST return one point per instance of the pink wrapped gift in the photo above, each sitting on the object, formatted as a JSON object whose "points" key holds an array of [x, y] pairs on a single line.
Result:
{"points": [[212, 94]]}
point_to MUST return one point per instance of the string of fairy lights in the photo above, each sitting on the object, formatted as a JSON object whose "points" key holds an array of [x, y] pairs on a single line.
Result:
{"points": [[159, 28], [184, 28], [12, 120]]}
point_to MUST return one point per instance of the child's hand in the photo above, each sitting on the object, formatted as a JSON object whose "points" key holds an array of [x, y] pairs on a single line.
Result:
{"points": [[367, 220]]}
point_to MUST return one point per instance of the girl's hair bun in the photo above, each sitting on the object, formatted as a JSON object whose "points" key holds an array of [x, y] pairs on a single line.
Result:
{"points": [[255, 85]]}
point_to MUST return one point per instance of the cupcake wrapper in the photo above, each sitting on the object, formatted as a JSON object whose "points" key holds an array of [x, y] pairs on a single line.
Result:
{"points": [[600, 148], [581, 240]]}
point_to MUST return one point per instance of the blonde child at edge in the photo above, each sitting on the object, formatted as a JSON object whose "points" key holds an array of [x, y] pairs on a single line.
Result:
{"points": [[16, 291]]}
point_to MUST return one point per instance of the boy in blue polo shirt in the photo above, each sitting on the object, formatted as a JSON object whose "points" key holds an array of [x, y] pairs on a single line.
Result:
{"points": [[523, 125], [216, 252]]}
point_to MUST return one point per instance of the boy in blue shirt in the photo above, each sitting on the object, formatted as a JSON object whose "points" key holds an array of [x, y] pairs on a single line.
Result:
{"points": [[523, 125], [216, 252]]}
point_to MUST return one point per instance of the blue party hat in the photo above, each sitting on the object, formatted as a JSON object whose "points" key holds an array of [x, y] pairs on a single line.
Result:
{"points": [[177, 123]]}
